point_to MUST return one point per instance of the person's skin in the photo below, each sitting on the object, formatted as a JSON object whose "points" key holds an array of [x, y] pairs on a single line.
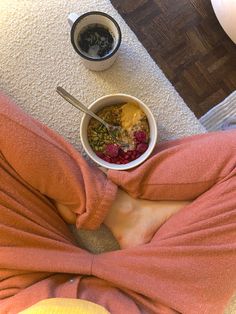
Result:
{"points": [[132, 221], [66, 213]]}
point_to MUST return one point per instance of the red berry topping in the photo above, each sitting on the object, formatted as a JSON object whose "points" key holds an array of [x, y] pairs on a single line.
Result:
{"points": [[100, 155], [121, 153], [140, 136], [112, 150], [107, 158], [142, 147]]}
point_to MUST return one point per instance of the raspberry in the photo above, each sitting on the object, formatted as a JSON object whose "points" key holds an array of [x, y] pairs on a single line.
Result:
{"points": [[107, 158], [112, 150], [140, 136], [100, 155], [142, 147], [121, 153]]}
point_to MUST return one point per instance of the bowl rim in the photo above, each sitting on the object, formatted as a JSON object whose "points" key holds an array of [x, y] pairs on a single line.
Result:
{"points": [[133, 163]]}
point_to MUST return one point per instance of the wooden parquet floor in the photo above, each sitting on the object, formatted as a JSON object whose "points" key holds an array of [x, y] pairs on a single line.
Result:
{"points": [[187, 42]]}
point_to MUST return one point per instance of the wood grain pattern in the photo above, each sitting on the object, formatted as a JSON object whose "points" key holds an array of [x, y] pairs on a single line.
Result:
{"points": [[187, 42]]}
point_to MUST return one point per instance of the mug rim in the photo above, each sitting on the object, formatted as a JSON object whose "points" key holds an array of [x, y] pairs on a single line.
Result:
{"points": [[95, 13]]}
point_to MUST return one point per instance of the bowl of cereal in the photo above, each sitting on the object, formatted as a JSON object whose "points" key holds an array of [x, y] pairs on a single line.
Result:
{"points": [[139, 132]]}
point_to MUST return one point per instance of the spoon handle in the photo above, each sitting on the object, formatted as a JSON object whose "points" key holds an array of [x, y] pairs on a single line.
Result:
{"points": [[76, 103]]}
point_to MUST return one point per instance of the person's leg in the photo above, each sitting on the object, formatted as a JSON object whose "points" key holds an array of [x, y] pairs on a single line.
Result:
{"points": [[181, 169], [38, 255], [167, 176], [49, 164], [134, 221], [189, 265], [58, 255]]}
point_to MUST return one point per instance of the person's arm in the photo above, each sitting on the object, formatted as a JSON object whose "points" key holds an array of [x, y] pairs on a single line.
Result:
{"points": [[52, 166]]}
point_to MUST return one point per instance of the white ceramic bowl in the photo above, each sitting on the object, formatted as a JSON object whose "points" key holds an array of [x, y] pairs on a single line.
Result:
{"points": [[112, 100]]}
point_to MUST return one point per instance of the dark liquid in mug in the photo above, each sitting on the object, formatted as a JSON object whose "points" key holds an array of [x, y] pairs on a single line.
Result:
{"points": [[96, 41]]}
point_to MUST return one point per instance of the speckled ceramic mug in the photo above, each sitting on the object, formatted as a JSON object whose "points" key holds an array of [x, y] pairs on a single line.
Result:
{"points": [[79, 23]]}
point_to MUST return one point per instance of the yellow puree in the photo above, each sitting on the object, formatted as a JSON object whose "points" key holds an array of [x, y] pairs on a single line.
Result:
{"points": [[131, 114]]}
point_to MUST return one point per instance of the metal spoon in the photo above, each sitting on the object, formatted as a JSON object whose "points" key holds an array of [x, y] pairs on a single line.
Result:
{"points": [[112, 129]]}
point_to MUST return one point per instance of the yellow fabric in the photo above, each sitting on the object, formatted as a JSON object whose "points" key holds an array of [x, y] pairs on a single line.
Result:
{"points": [[65, 306]]}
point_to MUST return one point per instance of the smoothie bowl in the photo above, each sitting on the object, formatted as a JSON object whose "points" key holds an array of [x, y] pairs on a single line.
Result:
{"points": [[139, 132]]}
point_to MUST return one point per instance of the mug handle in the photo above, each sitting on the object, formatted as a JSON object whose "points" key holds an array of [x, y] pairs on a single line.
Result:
{"points": [[72, 17]]}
